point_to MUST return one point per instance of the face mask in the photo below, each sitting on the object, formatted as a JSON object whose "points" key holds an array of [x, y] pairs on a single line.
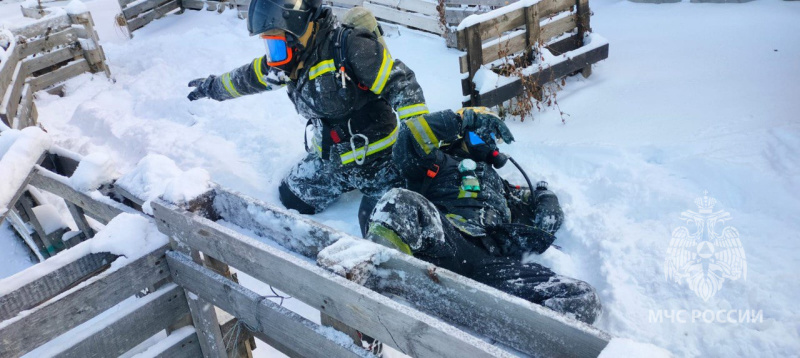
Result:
{"points": [[278, 50]]}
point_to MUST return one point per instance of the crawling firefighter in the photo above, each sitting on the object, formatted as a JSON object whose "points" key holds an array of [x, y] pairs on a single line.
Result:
{"points": [[459, 214], [343, 80]]}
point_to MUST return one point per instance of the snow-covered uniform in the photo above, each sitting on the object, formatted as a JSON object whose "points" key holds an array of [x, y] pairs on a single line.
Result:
{"points": [[374, 85], [481, 235]]}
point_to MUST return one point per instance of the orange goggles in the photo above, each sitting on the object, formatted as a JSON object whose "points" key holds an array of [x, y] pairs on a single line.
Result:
{"points": [[278, 50]]}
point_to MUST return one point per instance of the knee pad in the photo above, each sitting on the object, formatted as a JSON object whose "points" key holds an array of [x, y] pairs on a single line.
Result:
{"points": [[291, 201]]}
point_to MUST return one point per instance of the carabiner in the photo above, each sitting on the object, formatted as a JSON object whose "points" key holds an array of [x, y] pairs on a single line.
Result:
{"points": [[353, 136]]}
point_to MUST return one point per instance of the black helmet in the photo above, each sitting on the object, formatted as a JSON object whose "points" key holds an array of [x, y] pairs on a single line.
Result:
{"points": [[291, 16]]}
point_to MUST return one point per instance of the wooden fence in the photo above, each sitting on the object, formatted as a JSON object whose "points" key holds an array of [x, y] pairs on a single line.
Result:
{"points": [[137, 13], [443, 314], [559, 26], [426, 15], [46, 52]]}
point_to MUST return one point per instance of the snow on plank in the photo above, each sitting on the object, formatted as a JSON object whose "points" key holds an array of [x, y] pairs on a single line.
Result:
{"points": [[377, 315], [21, 151]]}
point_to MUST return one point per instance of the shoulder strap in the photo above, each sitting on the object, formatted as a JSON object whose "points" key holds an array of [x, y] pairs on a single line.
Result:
{"points": [[340, 46]]}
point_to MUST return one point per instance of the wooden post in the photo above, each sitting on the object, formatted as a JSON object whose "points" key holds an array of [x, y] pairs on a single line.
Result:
{"points": [[583, 14], [204, 316], [80, 220], [532, 29], [474, 62], [96, 57]]}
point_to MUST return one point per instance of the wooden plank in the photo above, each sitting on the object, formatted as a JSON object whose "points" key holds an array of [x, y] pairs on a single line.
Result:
{"points": [[43, 27], [79, 217], [474, 59], [495, 27], [583, 15], [12, 201], [516, 43], [131, 12], [48, 59], [419, 6], [380, 317], [558, 27], [152, 314], [456, 292], [156, 13], [62, 74], [481, 2], [303, 337], [193, 4], [94, 52], [454, 16], [45, 44], [24, 112], [52, 284], [7, 69], [102, 211], [188, 347], [28, 202], [124, 3], [204, 317], [422, 22], [569, 65], [10, 102], [56, 317], [25, 233]]}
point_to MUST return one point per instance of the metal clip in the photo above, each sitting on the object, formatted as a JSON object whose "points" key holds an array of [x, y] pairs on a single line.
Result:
{"points": [[359, 160], [343, 75]]}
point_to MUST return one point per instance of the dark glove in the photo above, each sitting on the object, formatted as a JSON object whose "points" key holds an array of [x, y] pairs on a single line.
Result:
{"points": [[202, 87], [479, 150], [483, 122]]}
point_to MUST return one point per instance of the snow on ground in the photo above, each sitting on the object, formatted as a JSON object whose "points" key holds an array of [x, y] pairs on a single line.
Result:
{"points": [[693, 97]]}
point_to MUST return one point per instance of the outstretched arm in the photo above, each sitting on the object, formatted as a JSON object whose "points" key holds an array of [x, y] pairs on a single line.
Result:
{"points": [[251, 78]]}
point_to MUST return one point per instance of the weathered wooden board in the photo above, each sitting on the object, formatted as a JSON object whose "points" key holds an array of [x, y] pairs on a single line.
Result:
{"points": [[24, 112], [14, 197], [188, 347], [146, 18], [419, 6], [124, 3], [62, 74], [457, 293], [79, 217], [52, 284], [567, 66], [45, 44], [516, 43], [44, 26], [268, 220], [48, 59], [454, 16], [99, 210], [204, 317], [7, 69], [495, 27], [304, 337], [10, 101], [404, 328], [153, 313], [56, 317], [410, 19], [481, 2], [131, 12]]}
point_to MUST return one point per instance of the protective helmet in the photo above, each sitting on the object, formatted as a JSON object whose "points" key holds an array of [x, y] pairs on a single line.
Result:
{"points": [[291, 16]]}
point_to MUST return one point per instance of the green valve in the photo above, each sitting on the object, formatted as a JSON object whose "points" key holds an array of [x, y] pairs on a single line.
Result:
{"points": [[470, 183]]}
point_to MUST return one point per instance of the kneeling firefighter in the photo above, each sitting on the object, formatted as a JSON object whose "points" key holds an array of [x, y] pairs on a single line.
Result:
{"points": [[343, 80], [459, 214]]}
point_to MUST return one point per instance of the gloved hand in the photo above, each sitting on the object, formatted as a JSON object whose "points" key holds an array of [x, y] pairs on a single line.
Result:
{"points": [[202, 87], [483, 122], [480, 150]]}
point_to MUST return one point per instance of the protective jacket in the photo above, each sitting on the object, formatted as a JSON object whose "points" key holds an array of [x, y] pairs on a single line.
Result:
{"points": [[344, 90], [428, 153]]}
